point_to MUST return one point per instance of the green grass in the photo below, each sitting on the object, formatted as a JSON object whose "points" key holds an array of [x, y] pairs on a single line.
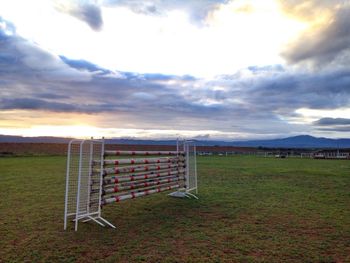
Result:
{"points": [[250, 209]]}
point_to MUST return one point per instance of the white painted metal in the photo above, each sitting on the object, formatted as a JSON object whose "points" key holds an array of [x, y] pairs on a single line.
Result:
{"points": [[80, 174], [189, 148], [79, 181], [187, 167], [71, 180], [101, 176], [177, 146], [195, 168], [67, 185], [90, 175], [101, 182]]}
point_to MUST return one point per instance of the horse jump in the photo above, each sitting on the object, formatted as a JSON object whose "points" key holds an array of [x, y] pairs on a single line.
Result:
{"points": [[97, 177]]}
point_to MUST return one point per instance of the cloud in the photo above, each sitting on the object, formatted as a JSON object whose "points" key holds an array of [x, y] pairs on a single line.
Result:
{"points": [[336, 129], [333, 124], [81, 64], [202, 137], [53, 106], [332, 121], [328, 42], [20, 56], [34, 104], [308, 10], [255, 101], [34, 79], [6, 28], [91, 14], [86, 12], [197, 10], [50, 96], [292, 90]]}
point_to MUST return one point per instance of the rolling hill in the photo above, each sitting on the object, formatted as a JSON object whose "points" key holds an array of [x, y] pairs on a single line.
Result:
{"points": [[301, 141]]}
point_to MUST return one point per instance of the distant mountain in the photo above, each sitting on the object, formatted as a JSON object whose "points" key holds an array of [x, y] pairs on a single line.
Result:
{"points": [[48, 139], [302, 141], [166, 142], [42, 139]]}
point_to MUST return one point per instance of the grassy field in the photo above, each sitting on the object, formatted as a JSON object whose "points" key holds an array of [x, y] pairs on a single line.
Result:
{"points": [[251, 209]]}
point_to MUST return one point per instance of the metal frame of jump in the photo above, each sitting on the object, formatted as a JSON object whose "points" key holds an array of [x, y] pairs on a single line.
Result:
{"points": [[94, 180]]}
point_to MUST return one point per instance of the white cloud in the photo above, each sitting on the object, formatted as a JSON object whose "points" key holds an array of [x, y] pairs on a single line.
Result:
{"points": [[169, 44]]}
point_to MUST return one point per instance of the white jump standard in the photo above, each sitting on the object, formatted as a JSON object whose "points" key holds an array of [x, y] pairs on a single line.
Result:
{"points": [[94, 179]]}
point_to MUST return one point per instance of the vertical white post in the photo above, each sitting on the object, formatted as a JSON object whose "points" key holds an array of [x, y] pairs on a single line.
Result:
{"points": [[177, 146], [79, 181], [187, 167], [67, 185], [101, 176], [90, 174], [195, 167]]}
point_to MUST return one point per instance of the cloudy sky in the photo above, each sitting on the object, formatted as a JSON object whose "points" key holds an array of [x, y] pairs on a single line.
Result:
{"points": [[210, 69]]}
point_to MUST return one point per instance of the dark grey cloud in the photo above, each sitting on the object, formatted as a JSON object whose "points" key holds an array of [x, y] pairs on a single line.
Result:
{"points": [[326, 44], [202, 137], [35, 104], [336, 129], [53, 106], [84, 11], [91, 14], [82, 64], [50, 96], [332, 121], [290, 91], [333, 124]]}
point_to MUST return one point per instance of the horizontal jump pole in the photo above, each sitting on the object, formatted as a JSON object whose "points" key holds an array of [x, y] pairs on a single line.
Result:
{"points": [[139, 194], [139, 176], [132, 186], [138, 190], [112, 183], [143, 161], [116, 153], [141, 168]]}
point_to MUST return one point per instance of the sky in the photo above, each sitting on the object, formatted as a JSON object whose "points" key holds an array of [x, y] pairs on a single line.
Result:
{"points": [[209, 69]]}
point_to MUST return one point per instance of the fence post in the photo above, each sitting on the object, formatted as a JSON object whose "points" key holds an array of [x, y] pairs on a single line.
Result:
{"points": [[79, 181], [67, 185], [195, 167]]}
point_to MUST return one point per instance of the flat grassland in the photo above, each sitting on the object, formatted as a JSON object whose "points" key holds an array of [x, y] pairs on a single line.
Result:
{"points": [[251, 209]]}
